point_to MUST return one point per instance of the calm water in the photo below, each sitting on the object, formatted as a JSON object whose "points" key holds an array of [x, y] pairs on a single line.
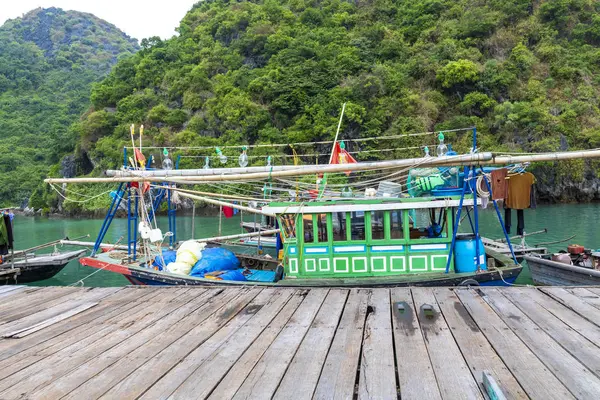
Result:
{"points": [[561, 221]]}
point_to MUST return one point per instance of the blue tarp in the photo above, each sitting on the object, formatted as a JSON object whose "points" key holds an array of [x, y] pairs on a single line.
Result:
{"points": [[168, 255], [234, 275], [215, 259], [261, 276]]}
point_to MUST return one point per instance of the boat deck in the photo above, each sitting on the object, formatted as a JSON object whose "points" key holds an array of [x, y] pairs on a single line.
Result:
{"points": [[414, 343]]}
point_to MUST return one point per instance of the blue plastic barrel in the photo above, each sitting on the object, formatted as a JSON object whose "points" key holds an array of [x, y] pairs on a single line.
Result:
{"points": [[465, 254]]}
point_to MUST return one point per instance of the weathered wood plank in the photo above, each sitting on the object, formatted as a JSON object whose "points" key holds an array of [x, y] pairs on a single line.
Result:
{"points": [[571, 340], [451, 371], [52, 363], [9, 288], [412, 358], [241, 367], [589, 295], [12, 297], [311, 354], [23, 304], [52, 335], [575, 303], [267, 373], [339, 371], [168, 372], [477, 351], [53, 309], [140, 344], [377, 379], [566, 315], [533, 376], [7, 295], [573, 374], [196, 327]]}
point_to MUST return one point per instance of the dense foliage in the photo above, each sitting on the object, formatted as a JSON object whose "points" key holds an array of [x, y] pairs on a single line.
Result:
{"points": [[48, 61], [525, 73]]}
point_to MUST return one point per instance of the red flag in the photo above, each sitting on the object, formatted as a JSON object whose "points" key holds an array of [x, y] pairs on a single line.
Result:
{"points": [[341, 156], [139, 157]]}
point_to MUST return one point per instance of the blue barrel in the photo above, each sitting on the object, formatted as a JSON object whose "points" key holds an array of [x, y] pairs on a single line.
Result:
{"points": [[465, 254]]}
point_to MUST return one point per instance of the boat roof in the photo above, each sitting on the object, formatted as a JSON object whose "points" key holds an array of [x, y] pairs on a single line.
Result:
{"points": [[353, 204]]}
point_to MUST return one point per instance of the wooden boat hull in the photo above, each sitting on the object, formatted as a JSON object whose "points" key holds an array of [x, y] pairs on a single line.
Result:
{"points": [[36, 268], [547, 272], [143, 276]]}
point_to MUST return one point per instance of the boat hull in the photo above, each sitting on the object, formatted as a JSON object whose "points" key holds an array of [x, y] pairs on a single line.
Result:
{"points": [[144, 276], [552, 273], [36, 268]]}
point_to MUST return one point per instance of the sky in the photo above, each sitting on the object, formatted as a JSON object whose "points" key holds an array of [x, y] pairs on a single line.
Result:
{"points": [[137, 18]]}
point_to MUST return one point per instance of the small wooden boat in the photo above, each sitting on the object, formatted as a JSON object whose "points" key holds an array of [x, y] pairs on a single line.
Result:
{"points": [[547, 272], [28, 269]]}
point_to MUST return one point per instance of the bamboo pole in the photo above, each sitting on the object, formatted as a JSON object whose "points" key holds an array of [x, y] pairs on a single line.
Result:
{"points": [[92, 244], [41, 246], [223, 203], [240, 236], [467, 159]]}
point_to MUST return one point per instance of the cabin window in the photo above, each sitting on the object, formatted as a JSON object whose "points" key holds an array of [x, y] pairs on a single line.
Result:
{"points": [[396, 225], [430, 224], [307, 220], [288, 224], [377, 225], [322, 228], [338, 220], [357, 225]]}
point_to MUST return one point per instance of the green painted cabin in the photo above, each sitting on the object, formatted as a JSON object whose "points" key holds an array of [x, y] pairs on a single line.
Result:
{"points": [[366, 237]]}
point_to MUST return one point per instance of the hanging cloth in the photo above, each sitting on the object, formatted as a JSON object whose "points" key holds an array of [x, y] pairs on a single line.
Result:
{"points": [[228, 212], [9, 230], [519, 191]]}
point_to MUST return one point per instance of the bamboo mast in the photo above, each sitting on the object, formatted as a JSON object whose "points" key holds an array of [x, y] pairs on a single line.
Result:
{"points": [[469, 159]]}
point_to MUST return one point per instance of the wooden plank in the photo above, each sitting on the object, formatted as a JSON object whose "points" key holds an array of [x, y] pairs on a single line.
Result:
{"points": [[589, 295], [53, 363], [28, 330], [412, 359], [25, 300], [566, 315], [125, 299], [134, 350], [53, 309], [575, 303], [9, 294], [477, 351], [377, 378], [310, 357], [571, 340], [339, 371], [573, 374], [102, 373], [9, 288], [166, 371], [267, 373], [451, 371], [238, 372], [533, 376], [184, 373]]}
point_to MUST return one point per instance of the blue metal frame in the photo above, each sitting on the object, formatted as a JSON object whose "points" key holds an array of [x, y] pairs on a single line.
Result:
{"points": [[112, 210], [132, 223]]}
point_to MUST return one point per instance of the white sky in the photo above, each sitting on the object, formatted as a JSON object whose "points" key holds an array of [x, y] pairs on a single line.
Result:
{"points": [[138, 18]]}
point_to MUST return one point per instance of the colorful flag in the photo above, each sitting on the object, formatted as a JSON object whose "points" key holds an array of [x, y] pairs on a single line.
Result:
{"points": [[341, 156]]}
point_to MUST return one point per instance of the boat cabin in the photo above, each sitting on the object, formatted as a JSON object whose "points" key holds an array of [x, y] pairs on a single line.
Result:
{"points": [[366, 237]]}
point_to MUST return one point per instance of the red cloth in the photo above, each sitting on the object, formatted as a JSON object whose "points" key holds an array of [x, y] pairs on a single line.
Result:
{"points": [[139, 157], [228, 211], [341, 156]]}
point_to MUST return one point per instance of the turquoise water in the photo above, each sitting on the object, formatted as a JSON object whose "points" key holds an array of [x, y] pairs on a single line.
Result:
{"points": [[32, 231], [562, 221]]}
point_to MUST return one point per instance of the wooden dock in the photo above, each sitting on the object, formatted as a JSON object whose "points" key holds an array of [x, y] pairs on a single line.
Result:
{"points": [[221, 343]]}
